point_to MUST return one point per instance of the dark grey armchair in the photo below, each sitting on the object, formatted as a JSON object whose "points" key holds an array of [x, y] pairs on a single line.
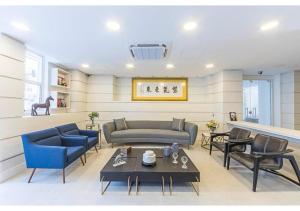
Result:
{"points": [[267, 153], [235, 136]]}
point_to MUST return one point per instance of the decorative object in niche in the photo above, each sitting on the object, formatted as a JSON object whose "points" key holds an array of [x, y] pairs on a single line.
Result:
{"points": [[232, 116], [41, 105], [159, 89]]}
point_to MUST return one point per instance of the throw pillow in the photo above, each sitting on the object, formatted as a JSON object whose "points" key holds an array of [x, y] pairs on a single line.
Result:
{"points": [[178, 124], [120, 124]]}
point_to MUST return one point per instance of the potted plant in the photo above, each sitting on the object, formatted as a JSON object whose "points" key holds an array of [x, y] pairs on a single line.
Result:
{"points": [[212, 125], [92, 116]]}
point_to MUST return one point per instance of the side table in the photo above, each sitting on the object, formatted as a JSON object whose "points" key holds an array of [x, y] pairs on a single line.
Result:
{"points": [[205, 140], [97, 126]]}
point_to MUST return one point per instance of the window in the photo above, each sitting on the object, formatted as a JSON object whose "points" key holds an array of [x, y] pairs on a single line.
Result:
{"points": [[33, 79]]}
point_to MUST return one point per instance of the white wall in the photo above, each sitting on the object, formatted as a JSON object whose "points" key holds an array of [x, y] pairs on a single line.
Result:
{"points": [[211, 95], [12, 122]]}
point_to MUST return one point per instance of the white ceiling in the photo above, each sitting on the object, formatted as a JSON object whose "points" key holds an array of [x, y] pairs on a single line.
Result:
{"points": [[227, 36]]}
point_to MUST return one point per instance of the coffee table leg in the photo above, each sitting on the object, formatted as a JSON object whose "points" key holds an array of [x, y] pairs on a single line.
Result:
{"points": [[171, 185], [129, 185], [163, 185], [104, 189], [136, 185], [196, 188]]}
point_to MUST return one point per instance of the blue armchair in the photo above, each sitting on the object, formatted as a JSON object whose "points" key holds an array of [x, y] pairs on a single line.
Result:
{"points": [[48, 149], [72, 130]]}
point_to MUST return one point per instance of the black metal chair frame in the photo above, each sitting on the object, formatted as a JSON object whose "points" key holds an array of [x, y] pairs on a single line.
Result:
{"points": [[259, 156]]}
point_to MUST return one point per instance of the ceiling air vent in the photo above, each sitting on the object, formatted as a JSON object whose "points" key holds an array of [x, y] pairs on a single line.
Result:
{"points": [[148, 51]]}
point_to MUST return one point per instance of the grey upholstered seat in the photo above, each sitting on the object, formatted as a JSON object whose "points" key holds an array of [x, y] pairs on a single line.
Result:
{"points": [[150, 133], [262, 144], [234, 136], [248, 161], [267, 153]]}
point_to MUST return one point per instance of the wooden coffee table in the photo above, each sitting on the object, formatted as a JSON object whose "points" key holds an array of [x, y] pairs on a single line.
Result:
{"points": [[164, 171]]}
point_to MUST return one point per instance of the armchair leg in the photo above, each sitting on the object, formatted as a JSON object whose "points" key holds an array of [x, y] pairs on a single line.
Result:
{"points": [[228, 162], [31, 175], [81, 160], [85, 157], [225, 154], [255, 175], [295, 167], [96, 149], [210, 148], [112, 145], [63, 172]]}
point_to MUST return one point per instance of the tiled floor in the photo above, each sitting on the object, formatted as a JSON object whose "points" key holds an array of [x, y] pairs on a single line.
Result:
{"points": [[217, 186]]}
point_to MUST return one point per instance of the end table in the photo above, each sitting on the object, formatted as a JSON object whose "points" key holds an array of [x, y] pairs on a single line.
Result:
{"points": [[205, 140], [97, 126]]}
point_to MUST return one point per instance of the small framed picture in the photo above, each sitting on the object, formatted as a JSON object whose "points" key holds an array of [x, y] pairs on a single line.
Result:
{"points": [[232, 116]]}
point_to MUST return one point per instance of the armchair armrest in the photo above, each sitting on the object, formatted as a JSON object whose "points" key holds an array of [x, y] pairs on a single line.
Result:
{"points": [[70, 141], [192, 129], [43, 156], [241, 141], [108, 128], [214, 135], [89, 133], [272, 154]]}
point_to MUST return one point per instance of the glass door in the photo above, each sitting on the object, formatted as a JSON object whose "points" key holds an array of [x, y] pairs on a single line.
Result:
{"points": [[257, 101]]}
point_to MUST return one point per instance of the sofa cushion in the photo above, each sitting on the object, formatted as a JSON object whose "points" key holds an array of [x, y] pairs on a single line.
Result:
{"points": [[178, 124], [92, 141], [68, 129], [120, 124], [150, 133], [74, 152]]}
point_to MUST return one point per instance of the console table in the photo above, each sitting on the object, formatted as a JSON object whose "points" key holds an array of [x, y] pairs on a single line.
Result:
{"points": [[285, 133]]}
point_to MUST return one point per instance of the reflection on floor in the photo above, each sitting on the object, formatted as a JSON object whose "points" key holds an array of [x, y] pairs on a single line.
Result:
{"points": [[217, 186]]}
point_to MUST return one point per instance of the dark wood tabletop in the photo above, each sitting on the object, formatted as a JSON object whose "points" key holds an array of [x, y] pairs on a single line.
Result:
{"points": [[163, 168]]}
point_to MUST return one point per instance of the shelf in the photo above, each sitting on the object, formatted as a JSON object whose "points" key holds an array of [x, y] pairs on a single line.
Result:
{"points": [[60, 86]]}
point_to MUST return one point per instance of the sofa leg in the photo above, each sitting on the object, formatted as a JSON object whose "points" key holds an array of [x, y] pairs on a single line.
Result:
{"points": [[96, 149], [31, 175], [112, 145], [81, 160], [63, 172], [188, 147], [85, 157]]}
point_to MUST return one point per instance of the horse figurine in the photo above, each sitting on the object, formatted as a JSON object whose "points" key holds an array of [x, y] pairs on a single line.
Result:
{"points": [[41, 105]]}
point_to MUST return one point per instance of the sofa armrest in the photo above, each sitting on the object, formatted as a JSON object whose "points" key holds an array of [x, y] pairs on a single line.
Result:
{"points": [[89, 133], [43, 156], [192, 129], [108, 128], [72, 140]]}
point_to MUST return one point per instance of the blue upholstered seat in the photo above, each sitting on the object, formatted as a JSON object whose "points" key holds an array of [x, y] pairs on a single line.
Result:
{"points": [[73, 130], [48, 149]]}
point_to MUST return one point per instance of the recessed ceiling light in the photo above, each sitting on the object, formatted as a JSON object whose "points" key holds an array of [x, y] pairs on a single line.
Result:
{"points": [[269, 25], [189, 26], [208, 66], [129, 66], [85, 65], [20, 26], [170, 66], [113, 25]]}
